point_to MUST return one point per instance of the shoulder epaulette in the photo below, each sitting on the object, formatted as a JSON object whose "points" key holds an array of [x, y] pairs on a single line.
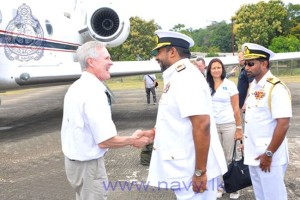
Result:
{"points": [[273, 80], [180, 67]]}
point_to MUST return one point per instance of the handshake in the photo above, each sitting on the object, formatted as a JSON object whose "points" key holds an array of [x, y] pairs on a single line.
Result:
{"points": [[142, 138]]}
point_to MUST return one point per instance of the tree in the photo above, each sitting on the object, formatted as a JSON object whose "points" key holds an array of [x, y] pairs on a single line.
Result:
{"points": [[178, 27], [285, 44], [293, 22], [218, 34], [140, 42], [260, 23]]}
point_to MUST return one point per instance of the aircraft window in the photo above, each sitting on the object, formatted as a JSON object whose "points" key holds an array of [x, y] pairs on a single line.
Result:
{"points": [[0, 17], [49, 27]]}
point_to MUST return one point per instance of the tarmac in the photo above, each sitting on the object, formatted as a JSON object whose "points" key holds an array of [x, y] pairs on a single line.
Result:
{"points": [[32, 164]]}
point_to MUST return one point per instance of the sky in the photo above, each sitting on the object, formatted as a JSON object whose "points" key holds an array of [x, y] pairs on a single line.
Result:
{"points": [[192, 13]]}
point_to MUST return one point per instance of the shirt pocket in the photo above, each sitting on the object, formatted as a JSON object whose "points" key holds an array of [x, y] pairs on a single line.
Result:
{"points": [[175, 163], [262, 144]]}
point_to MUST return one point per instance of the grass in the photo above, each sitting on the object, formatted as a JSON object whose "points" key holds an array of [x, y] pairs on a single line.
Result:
{"points": [[137, 82]]}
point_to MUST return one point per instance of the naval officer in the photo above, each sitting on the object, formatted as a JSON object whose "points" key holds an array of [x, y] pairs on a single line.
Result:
{"points": [[187, 155], [268, 113]]}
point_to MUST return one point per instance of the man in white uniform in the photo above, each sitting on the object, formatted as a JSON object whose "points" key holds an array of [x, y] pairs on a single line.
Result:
{"points": [[87, 127], [268, 113], [187, 155]]}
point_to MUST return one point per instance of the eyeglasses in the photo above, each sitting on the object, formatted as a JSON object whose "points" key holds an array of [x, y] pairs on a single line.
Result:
{"points": [[249, 63]]}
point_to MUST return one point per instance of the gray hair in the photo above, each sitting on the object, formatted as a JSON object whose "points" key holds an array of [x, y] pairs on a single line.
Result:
{"points": [[202, 59], [88, 50]]}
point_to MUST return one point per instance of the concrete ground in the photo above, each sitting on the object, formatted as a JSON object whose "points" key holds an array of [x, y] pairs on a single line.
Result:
{"points": [[31, 161]]}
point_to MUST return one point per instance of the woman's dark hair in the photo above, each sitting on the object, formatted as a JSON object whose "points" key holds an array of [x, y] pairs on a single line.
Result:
{"points": [[209, 77]]}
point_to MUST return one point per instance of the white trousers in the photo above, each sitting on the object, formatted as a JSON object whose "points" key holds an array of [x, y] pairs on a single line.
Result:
{"points": [[269, 185], [209, 194]]}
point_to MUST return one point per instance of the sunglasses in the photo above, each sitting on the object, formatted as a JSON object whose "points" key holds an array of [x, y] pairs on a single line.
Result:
{"points": [[249, 63]]}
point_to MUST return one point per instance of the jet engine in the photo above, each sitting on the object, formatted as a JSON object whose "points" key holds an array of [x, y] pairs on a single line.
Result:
{"points": [[107, 25]]}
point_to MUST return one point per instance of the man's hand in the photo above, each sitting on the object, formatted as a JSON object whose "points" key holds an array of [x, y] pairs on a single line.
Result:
{"points": [[142, 138], [233, 70], [148, 133], [199, 183], [265, 162], [141, 142]]}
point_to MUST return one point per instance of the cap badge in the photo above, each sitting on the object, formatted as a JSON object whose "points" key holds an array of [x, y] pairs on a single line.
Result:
{"points": [[156, 39], [246, 50]]}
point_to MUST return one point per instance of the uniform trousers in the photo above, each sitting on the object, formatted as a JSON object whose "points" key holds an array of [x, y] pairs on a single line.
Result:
{"points": [[269, 185], [88, 178], [189, 194]]}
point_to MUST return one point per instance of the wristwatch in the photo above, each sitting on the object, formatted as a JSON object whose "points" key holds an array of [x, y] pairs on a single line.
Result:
{"points": [[199, 172], [269, 153]]}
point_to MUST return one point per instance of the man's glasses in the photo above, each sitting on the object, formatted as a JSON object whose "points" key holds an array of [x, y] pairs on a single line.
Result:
{"points": [[249, 63]]}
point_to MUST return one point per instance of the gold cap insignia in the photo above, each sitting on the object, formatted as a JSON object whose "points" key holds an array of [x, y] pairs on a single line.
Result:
{"points": [[246, 51]]}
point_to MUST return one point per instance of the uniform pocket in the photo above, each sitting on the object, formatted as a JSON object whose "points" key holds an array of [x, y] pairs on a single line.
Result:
{"points": [[175, 163], [262, 144]]}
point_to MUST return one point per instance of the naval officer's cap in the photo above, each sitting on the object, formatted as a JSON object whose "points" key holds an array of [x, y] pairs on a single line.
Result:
{"points": [[171, 38], [255, 51]]}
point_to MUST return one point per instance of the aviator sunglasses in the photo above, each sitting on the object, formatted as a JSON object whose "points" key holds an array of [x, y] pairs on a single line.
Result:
{"points": [[249, 63]]}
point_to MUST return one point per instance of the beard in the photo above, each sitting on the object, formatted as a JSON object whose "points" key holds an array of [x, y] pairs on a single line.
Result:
{"points": [[163, 65]]}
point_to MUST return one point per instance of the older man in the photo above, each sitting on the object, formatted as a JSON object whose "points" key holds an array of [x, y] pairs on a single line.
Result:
{"points": [[87, 127]]}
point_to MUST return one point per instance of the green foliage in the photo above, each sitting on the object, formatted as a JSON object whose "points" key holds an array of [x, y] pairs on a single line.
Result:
{"points": [[285, 44], [271, 24], [260, 23], [139, 43], [212, 52], [217, 34], [293, 20], [178, 27]]}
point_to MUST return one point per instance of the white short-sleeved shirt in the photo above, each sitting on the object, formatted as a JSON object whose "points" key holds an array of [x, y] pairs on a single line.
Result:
{"points": [[87, 119], [185, 94], [260, 122], [221, 101], [149, 81]]}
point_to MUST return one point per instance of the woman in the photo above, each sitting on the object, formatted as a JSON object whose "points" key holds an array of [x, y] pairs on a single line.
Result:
{"points": [[225, 101]]}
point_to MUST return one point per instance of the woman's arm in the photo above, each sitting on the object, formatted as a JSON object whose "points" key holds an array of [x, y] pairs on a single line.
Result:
{"points": [[237, 117]]}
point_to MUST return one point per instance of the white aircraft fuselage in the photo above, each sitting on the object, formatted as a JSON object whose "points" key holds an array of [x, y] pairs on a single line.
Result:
{"points": [[38, 40]]}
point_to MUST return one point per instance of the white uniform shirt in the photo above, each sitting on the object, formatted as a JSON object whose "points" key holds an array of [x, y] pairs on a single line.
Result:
{"points": [[86, 120], [186, 93], [149, 81], [221, 101], [260, 122]]}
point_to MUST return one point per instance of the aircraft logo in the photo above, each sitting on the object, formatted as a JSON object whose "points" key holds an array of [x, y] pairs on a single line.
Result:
{"points": [[24, 24]]}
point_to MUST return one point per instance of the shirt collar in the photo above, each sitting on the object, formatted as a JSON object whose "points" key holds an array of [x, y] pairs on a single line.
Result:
{"points": [[92, 79], [263, 81]]}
